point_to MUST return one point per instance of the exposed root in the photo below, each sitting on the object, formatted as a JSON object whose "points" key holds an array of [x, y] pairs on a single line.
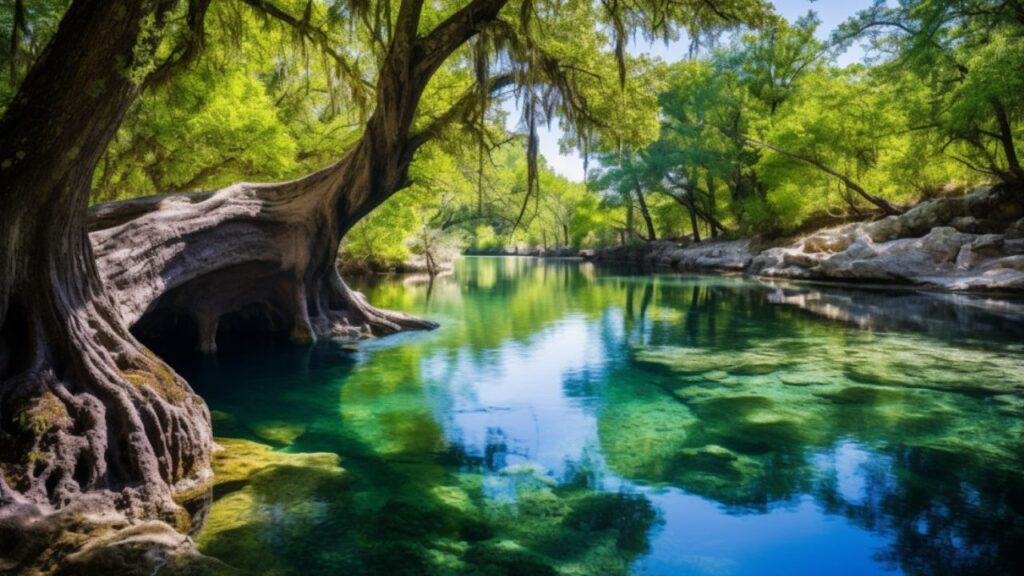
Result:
{"points": [[352, 307], [88, 537], [89, 409]]}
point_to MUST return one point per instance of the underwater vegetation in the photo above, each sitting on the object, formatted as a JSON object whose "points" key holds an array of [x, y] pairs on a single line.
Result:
{"points": [[567, 420], [281, 513]]}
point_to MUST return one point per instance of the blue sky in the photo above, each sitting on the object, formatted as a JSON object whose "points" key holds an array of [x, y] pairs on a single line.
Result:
{"points": [[831, 12]]}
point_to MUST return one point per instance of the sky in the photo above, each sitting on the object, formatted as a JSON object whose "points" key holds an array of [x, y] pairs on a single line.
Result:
{"points": [[831, 12]]}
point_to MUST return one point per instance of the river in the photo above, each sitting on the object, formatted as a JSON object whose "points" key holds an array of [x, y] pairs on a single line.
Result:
{"points": [[566, 419]]}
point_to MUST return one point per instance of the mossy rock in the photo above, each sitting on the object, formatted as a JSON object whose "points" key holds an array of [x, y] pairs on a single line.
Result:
{"points": [[279, 433], [630, 515], [870, 395], [507, 558], [242, 459]]}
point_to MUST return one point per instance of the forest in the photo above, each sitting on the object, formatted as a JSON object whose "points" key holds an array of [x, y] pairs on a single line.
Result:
{"points": [[201, 173]]}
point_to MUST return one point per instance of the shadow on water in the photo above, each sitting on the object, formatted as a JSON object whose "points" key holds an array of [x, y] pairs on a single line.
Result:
{"points": [[571, 420]]}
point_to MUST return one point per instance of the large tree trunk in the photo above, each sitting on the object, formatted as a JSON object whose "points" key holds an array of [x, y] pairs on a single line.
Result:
{"points": [[266, 253], [258, 254], [83, 406]]}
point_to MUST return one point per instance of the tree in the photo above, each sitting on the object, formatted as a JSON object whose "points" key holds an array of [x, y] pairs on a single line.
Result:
{"points": [[963, 50], [84, 406], [77, 391], [770, 63]]}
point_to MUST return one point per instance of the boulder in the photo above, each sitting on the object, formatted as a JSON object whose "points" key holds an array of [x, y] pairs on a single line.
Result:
{"points": [[896, 260], [1009, 263], [983, 247], [734, 255], [888, 228], [927, 215], [801, 259], [1013, 247], [1000, 203], [972, 242], [833, 240], [677, 256], [1016, 230], [861, 249], [943, 244], [767, 262]]}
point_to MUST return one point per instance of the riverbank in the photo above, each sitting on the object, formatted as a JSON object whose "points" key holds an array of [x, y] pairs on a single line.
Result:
{"points": [[967, 243]]}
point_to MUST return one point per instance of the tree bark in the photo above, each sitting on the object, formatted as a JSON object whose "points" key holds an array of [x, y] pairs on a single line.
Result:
{"points": [[711, 205], [268, 251], [694, 224], [83, 406], [263, 254], [1006, 140], [652, 233]]}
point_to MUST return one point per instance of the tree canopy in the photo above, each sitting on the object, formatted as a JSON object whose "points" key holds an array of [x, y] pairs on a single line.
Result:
{"points": [[756, 130]]}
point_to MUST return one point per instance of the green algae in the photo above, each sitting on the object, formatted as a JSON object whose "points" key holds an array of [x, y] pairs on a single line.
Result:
{"points": [[795, 396], [393, 509], [366, 462], [275, 510]]}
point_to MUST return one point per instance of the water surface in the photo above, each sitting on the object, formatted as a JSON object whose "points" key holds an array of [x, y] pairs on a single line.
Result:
{"points": [[568, 420]]}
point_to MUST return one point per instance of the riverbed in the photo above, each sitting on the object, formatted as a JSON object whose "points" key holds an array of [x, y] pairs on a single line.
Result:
{"points": [[568, 419]]}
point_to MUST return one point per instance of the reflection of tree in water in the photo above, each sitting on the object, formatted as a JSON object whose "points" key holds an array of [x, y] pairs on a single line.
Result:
{"points": [[946, 513], [401, 499], [706, 385], [738, 399]]}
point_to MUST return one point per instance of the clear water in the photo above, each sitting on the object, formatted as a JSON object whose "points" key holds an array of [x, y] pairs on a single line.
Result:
{"points": [[568, 420]]}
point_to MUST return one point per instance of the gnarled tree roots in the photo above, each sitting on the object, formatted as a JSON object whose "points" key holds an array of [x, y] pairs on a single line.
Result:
{"points": [[91, 420]]}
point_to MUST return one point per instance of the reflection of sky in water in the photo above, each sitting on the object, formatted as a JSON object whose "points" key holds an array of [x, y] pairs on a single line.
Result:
{"points": [[771, 435], [798, 539], [509, 409]]}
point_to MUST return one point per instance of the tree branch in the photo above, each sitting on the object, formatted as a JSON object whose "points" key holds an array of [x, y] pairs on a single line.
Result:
{"points": [[463, 106], [886, 207]]}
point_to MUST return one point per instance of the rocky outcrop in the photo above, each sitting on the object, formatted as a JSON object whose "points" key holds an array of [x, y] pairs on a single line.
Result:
{"points": [[972, 242], [720, 255]]}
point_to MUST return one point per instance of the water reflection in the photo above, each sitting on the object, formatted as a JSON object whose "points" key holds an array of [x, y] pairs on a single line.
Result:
{"points": [[567, 419]]}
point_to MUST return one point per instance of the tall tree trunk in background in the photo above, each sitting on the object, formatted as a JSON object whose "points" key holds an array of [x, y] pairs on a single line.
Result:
{"points": [[630, 210], [83, 406], [694, 223], [711, 206], [1006, 140], [652, 233]]}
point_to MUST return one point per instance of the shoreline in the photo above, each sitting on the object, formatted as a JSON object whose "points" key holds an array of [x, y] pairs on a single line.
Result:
{"points": [[965, 244]]}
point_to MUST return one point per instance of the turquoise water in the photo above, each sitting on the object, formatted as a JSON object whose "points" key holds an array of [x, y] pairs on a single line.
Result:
{"points": [[569, 420]]}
